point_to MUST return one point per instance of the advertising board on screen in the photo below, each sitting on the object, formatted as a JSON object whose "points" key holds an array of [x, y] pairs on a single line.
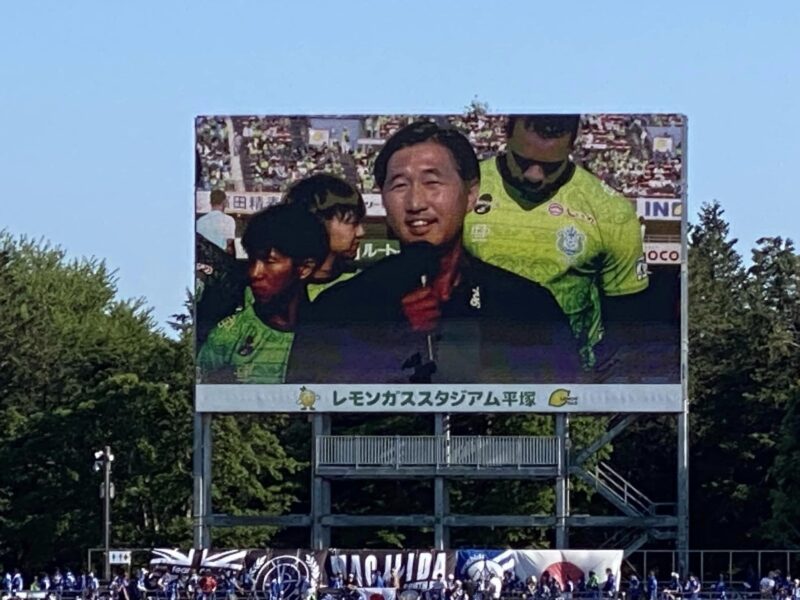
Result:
{"points": [[439, 263]]}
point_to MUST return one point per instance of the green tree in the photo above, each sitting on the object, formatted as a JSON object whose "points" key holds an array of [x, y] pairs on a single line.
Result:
{"points": [[80, 369], [743, 367]]}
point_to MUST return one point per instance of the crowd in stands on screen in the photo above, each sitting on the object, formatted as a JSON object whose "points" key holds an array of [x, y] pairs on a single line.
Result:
{"points": [[620, 150], [212, 146], [274, 151]]}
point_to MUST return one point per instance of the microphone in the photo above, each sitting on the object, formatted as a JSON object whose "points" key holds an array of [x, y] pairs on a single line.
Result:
{"points": [[423, 279]]}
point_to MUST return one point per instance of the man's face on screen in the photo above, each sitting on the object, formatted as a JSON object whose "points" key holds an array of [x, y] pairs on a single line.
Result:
{"points": [[536, 159], [424, 195], [271, 275], [344, 234]]}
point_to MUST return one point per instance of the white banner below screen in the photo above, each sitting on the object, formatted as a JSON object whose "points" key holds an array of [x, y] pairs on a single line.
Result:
{"points": [[467, 398]]}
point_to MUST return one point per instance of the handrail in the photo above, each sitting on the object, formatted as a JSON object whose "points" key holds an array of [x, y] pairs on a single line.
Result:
{"points": [[622, 488], [440, 451]]}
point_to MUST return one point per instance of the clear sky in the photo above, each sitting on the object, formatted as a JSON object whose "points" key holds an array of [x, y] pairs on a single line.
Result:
{"points": [[96, 149]]}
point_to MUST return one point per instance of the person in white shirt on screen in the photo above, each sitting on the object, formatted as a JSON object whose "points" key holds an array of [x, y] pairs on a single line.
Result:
{"points": [[216, 226]]}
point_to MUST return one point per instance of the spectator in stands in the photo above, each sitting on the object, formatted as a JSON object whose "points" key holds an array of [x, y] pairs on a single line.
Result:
{"points": [[229, 586], [377, 579], [450, 586], [394, 581], [17, 583], [70, 583], [692, 588], [92, 586], [531, 587], [208, 586], [674, 588], [118, 588], [458, 592], [720, 588], [593, 585], [44, 582], [437, 588], [351, 588], [634, 588], [510, 581], [610, 584], [429, 181], [569, 588], [304, 588], [535, 186], [216, 226], [275, 588], [58, 581], [767, 585], [340, 208], [284, 245], [171, 584]]}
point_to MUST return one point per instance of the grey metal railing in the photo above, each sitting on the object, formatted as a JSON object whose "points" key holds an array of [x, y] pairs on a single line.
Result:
{"points": [[622, 488], [342, 450]]}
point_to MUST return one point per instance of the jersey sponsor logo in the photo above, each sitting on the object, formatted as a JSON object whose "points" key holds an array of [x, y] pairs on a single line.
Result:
{"points": [[484, 204], [641, 268], [556, 210], [479, 232], [576, 214], [570, 240], [227, 322]]}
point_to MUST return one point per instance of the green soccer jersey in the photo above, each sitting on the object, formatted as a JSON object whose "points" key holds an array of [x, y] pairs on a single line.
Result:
{"points": [[315, 289], [583, 242], [241, 348]]}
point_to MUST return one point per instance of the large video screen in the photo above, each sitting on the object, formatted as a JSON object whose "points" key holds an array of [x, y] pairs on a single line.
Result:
{"points": [[439, 263]]}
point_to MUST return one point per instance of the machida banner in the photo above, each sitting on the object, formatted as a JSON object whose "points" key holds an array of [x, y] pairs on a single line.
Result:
{"points": [[293, 570], [440, 263]]}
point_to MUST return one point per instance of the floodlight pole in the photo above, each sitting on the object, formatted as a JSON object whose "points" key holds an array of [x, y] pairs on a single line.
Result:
{"points": [[106, 458]]}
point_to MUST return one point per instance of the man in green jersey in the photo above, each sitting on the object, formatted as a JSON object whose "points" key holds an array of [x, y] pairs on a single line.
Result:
{"points": [[543, 217], [284, 245], [340, 207]]}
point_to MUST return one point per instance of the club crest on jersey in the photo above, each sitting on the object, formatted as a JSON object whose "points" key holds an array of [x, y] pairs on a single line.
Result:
{"points": [[484, 204], [570, 240]]}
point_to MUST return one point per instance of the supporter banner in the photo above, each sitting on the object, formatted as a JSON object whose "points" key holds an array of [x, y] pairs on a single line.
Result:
{"points": [[178, 563], [318, 137], [242, 203], [474, 565], [480, 281], [663, 253], [417, 569], [660, 209], [293, 570], [435, 399]]}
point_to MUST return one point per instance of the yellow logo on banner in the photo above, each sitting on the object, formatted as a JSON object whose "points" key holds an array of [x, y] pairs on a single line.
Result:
{"points": [[307, 399], [561, 397]]}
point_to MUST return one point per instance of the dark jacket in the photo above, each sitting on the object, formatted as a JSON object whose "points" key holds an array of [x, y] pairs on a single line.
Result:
{"points": [[496, 327]]}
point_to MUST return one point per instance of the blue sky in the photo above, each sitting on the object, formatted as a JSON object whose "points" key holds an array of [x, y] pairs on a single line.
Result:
{"points": [[98, 98]]}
